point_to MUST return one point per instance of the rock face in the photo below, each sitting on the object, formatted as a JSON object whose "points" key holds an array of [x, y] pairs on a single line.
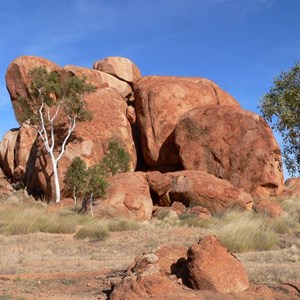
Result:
{"points": [[212, 267], [101, 79], [7, 152], [24, 150], [232, 144], [205, 190], [120, 67], [160, 102], [18, 80], [6, 190], [127, 195]]}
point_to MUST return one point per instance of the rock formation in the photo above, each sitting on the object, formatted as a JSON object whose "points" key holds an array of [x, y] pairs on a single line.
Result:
{"points": [[232, 144], [205, 270], [198, 188], [213, 267], [160, 102], [127, 196], [214, 154]]}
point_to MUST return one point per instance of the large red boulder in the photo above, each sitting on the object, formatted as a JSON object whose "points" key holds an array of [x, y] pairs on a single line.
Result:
{"points": [[205, 190], [160, 102], [127, 196], [120, 67], [213, 267], [233, 144], [18, 80]]}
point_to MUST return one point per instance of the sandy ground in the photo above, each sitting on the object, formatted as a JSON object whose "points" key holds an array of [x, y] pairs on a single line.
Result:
{"points": [[56, 266]]}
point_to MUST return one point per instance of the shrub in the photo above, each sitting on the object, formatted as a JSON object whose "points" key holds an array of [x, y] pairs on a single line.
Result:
{"points": [[75, 177], [117, 160], [94, 231]]}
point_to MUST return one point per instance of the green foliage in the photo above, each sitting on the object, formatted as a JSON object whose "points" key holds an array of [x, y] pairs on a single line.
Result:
{"points": [[117, 160], [75, 177], [91, 182], [86, 182], [96, 182], [53, 89], [281, 108]]}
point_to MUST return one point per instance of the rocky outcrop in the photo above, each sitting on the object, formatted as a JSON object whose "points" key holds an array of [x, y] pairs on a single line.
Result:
{"points": [[198, 188], [89, 140], [18, 80], [213, 267], [128, 196], [171, 272], [101, 79], [160, 102], [232, 144], [120, 67], [173, 123]]}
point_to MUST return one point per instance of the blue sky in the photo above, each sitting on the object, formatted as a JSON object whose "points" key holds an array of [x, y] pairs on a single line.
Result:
{"points": [[240, 44]]}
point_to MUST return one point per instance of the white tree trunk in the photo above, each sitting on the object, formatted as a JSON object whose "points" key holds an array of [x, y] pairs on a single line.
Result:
{"points": [[50, 148], [56, 178]]}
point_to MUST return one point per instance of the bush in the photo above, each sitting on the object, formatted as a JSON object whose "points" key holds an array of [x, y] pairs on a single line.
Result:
{"points": [[117, 160], [95, 232]]}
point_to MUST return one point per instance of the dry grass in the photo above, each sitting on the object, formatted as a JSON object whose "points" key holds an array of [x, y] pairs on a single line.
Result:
{"points": [[245, 231], [31, 218]]}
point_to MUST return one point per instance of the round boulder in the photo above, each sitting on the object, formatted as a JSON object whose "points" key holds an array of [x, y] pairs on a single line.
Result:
{"points": [[232, 144]]}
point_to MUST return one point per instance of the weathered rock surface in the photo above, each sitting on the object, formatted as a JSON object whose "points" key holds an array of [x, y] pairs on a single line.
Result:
{"points": [[7, 152], [120, 67], [18, 80], [199, 188], [292, 187], [160, 102], [6, 190], [89, 140], [232, 144], [158, 182], [172, 259], [23, 150], [101, 79], [127, 195], [164, 274], [268, 207], [212, 267], [147, 279]]}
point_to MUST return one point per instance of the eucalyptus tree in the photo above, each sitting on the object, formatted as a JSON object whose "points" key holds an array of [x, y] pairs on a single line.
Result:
{"points": [[281, 108], [53, 96]]}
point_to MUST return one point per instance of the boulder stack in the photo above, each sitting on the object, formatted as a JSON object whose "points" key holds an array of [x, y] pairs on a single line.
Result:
{"points": [[192, 141]]}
